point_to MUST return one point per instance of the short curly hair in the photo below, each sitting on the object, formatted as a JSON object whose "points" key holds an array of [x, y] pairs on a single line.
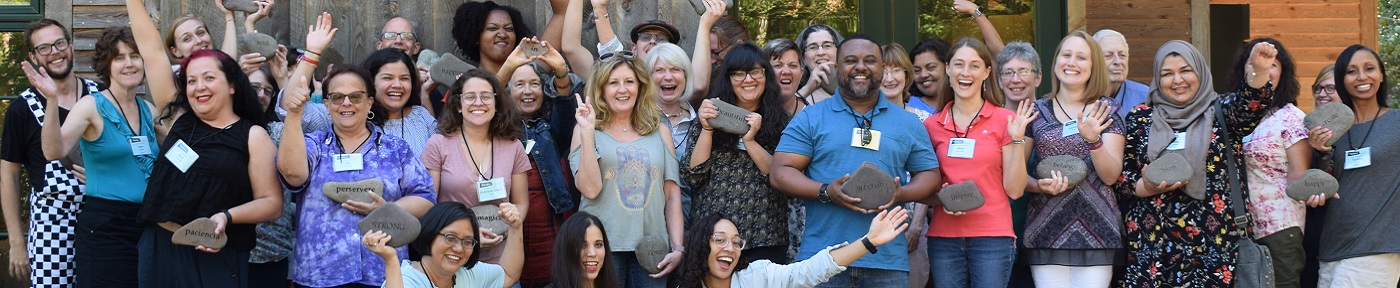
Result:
{"points": [[107, 49]]}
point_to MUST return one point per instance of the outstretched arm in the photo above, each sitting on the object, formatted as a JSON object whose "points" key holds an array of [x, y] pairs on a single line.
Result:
{"points": [[148, 43], [989, 32], [700, 60], [580, 60]]}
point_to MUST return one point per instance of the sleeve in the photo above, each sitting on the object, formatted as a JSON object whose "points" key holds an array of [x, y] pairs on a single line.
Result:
{"points": [[921, 155], [415, 180], [482, 275], [574, 156], [13, 143], [1293, 127], [522, 160], [314, 117], [411, 277], [611, 47], [798, 136], [1134, 149], [432, 157], [806, 273], [700, 174], [551, 92], [1245, 109], [673, 164], [1117, 126], [1000, 117]]}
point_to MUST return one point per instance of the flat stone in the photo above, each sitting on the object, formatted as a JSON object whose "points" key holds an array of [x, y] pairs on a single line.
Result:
{"points": [[1335, 116], [262, 44], [1071, 167], [358, 190], [427, 58], [401, 226], [731, 118], [651, 250], [241, 5], [961, 197], [200, 232], [488, 217], [1170, 168], [873, 186], [445, 71], [1313, 182], [699, 6], [532, 49]]}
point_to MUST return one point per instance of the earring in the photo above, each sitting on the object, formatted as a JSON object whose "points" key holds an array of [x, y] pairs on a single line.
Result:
{"points": [[371, 115]]}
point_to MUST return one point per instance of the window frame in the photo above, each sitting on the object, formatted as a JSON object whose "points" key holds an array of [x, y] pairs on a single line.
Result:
{"points": [[18, 16]]}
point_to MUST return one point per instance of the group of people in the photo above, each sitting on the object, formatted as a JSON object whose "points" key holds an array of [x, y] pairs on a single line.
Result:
{"points": [[564, 144]]}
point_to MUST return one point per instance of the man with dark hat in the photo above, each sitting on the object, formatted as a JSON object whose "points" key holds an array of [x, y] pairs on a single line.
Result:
{"points": [[644, 35]]}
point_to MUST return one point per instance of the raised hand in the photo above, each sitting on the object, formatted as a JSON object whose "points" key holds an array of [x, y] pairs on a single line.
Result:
{"points": [[509, 214], [278, 64], [1016, 125], [39, 77], [319, 35], [264, 8], [378, 242], [1262, 56], [553, 58], [517, 56], [220, 4], [887, 225], [820, 75], [294, 98], [713, 10], [585, 116], [964, 7], [1091, 126]]}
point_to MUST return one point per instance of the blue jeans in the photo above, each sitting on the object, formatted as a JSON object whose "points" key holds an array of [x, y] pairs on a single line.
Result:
{"points": [[631, 274], [971, 262], [867, 277]]}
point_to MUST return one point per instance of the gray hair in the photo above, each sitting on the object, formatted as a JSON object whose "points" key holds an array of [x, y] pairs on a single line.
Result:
{"points": [[1018, 50], [802, 37], [775, 48], [1105, 33], [673, 55]]}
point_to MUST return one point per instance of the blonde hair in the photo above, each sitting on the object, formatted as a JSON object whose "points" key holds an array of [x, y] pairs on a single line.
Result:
{"points": [[1325, 74], [646, 113], [895, 55], [1099, 85], [170, 31]]}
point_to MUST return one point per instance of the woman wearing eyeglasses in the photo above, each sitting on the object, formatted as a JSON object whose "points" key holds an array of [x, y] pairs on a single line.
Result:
{"points": [[396, 89], [716, 244], [476, 157], [326, 253], [450, 247], [625, 167], [730, 170]]}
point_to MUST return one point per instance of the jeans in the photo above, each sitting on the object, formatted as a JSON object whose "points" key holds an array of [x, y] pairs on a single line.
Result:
{"points": [[105, 243], [631, 274], [867, 277], [971, 262], [1286, 247]]}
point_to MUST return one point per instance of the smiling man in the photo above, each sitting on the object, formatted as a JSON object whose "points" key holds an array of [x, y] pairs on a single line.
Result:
{"points": [[832, 138], [1126, 93]]}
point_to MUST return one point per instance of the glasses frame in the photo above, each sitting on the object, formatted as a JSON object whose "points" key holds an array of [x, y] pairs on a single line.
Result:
{"points": [[1022, 73], [465, 242], [50, 48], [407, 36], [739, 243], [757, 74], [338, 98], [1329, 89], [625, 55]]}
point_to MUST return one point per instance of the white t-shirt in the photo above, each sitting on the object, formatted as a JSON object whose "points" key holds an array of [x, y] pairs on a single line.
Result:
{"points": [[484, 275]]}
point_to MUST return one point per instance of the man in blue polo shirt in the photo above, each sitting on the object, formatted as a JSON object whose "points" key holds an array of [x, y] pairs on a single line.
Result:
{"points": [[830, 139]]}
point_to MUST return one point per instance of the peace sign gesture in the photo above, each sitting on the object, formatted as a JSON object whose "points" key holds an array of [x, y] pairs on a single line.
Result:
{"points": [[585, 116], [1091, 126]]}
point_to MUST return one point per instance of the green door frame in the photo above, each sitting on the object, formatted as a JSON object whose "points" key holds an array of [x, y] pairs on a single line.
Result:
{"points": [[16, 17]]}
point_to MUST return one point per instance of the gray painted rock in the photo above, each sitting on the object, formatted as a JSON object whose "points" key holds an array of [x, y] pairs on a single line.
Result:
{"points": [[699, 6], [873, 186], [445, 71], [1170, 168], [731, 118], [241, 5], [199, 232], [427, 58], [961, 197], [262, 44], [358, 190], [401, 226], [1071, 167], [651, 250], [1335, 116], [1313, 182], [488, 217]]}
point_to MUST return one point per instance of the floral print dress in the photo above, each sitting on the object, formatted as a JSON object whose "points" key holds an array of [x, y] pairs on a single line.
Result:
{"points": [[1175, 240]]}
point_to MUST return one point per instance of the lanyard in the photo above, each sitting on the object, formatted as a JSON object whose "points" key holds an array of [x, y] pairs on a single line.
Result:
{"points": [[230, 125], [491, 169], [1369, 128], [952, 115], [864, 123], [341, 147], [123, 111], [1066, 112]]}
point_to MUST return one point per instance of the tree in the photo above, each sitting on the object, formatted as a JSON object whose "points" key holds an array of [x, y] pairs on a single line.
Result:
{"points": [[1390, 45]]}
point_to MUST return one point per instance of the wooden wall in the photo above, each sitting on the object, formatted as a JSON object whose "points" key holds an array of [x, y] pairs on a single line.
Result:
{"points": [[1146, 23]]}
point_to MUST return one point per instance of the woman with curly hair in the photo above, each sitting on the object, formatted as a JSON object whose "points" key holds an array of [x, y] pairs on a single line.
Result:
{"points": [[487, 32]]}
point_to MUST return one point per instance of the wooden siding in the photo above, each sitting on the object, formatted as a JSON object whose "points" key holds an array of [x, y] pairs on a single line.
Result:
{"points": [[1146, 24]]}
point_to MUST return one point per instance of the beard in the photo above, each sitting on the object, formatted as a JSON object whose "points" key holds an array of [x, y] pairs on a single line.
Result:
{"points": [[66, 71], [867, 91]]}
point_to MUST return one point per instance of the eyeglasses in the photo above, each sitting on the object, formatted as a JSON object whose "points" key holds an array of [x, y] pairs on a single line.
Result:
{"points": [[264, 89], [721, 241], [408, 36], [756, 74], [49, 49], [1329, 89], [625, 55], [355, 98], [647, 37], [1022, 73], [451, 240], [823, 46], [485, 97]]}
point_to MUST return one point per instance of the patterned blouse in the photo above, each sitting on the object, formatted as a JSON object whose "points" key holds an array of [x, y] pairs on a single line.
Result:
{"points": [[1084, 217], [1266, 153], [1175, 240], [730, 183]]}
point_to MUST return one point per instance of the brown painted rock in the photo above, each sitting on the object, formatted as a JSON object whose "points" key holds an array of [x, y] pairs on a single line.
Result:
{"points": [[651, 250], [1313, 182], [358, 190], [241, 5], [262, 44], [200, 232], [532, 49], [488, 217], [961, 197], [731, 118], [445, 71], [873, 186], [1335, 116], [1071, 167], [1170, 168], [401, 226]]}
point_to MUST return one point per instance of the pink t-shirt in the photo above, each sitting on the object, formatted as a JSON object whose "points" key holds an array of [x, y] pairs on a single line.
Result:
{"points": [[1266, 155], [457, 181], [993, 219]]}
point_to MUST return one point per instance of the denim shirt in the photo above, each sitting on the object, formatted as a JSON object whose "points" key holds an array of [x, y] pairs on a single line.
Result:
{"points": [[542, 129]]}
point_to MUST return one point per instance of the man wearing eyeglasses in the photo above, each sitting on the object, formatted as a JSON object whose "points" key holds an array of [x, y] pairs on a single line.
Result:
{"points": [[645, 35], [398, 33], [48, 250], [827, 141], [1126, 93]]}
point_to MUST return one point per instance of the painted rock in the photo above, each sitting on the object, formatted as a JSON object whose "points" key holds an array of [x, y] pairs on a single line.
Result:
{"points": [[1335, 116], [731, 118], [651, 250], [401, 226], [961, 197], [241, 5], [358, 190], [1071, 167], [1313, 182], [1170, 168], [871, 185], [445, 71], [488, 217], [262, 44], [200, 232]]}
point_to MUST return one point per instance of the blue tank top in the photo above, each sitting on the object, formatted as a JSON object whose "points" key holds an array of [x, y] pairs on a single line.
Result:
{"points": [[113, 172]]}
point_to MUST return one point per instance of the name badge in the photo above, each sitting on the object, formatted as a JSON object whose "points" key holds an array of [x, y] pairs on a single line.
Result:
{"points": [[1357, 158], [529, 146], [181, 155], [1179, 143], [490, 190], [741, 145], [858, 138], [1070, 127], [139, 145], [348, 162], [961, 147], [1247, 138]]}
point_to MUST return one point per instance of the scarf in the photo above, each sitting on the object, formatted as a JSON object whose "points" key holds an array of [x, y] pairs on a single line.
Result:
{"points": [[1195, 117]]}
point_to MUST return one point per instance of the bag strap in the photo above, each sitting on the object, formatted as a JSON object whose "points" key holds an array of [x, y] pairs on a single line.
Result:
{"points": [[1242, 216]]}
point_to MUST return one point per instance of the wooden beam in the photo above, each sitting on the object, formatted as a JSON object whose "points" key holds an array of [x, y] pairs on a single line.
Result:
{"points": [[61, 11], [1302, 11], [99, 16], [1175, 9], [1200, 26], [1370, 26]]}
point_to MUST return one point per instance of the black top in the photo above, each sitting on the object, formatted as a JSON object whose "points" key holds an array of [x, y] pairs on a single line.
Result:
{"points": [[218, 180], [21, 141]]}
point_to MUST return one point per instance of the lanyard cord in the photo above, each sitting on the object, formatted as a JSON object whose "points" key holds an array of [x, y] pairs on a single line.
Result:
{"points": [[123, 111], [491, 169], [952, 115], [1066, 111], [864, 124], [1369, 128], [340, 146]]}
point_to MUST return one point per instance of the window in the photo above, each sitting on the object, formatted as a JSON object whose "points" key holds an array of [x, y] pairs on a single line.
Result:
{"points": [[1012, 19], [14, 14], [772, 19]]}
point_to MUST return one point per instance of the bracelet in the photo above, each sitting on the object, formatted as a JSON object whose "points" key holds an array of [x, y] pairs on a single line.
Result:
{"points": [[318, 54], [1096, 145], [227, 217], [1018, 141], [708, 129], [868, 246], [303, 58], [600, 17], [976, 13]]}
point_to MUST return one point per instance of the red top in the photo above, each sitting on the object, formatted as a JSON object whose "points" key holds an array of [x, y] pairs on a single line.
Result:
{"points": [[993, 219]]}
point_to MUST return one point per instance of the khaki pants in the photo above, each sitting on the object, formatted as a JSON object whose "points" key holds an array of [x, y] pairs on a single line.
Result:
{"points": [[1380, 270]]}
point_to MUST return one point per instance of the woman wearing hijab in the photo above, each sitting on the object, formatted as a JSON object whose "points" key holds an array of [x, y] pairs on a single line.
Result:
{"points": [[1183, 233]]}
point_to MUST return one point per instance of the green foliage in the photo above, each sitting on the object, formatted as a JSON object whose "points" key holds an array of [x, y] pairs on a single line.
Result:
{"points": [[1390, 46], [772, 19], [13, 51]]}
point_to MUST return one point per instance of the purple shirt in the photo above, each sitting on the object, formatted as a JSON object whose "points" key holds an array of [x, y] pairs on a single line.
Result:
{"points": [[328, 249]]}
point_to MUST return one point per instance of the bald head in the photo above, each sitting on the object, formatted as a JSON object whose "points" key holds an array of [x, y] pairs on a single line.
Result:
{"points": [[406, 42]]}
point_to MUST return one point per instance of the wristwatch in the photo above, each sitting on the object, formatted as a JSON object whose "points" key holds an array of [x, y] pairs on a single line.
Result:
{"points": [[821, 195]]}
